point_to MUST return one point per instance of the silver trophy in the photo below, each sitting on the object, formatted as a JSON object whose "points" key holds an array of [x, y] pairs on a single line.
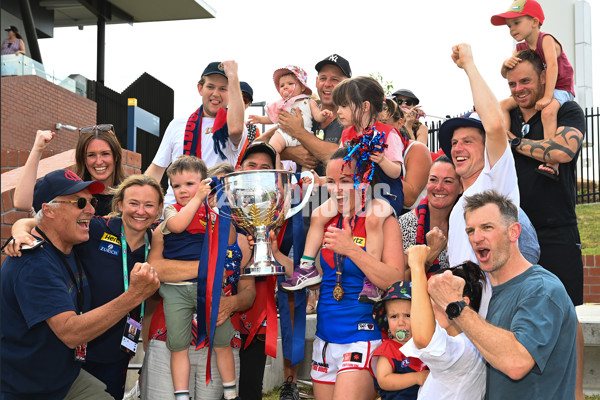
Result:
{"points": [[261, 201]]}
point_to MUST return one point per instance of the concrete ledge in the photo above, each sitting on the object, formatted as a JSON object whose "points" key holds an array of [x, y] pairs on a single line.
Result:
{"points": [[589, 317]]}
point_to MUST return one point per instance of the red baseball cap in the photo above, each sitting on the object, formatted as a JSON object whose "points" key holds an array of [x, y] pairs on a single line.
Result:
{"points": [[519, 8]]}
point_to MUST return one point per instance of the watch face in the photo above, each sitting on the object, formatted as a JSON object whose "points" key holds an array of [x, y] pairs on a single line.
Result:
{"points": [[452, 310]]}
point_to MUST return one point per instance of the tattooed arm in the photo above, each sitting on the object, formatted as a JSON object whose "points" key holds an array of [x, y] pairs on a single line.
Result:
{"points": [[562, 148]]}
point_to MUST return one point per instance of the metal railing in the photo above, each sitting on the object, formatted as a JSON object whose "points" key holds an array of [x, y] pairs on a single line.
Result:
{"points": [[587, 172], [588, 163]]}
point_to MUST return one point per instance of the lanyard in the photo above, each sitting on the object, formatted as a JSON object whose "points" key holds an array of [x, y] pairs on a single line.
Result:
{"points": [[339, 259], [77, 282], [124, 253]]}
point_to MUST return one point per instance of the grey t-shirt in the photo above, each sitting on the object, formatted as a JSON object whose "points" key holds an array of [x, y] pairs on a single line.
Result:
{"points": [[535, 307]]}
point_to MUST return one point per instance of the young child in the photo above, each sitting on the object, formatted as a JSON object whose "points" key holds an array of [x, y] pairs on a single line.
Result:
{"points": [[183, 229], [398, 376], [457, 370], [378, 150], [524, 18], [290, 82]]}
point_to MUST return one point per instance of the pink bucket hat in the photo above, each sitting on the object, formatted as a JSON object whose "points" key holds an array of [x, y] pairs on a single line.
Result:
{"points": [[297, 71], [519, 8]]}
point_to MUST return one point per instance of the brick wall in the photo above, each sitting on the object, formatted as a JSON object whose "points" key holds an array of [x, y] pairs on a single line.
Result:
{"points": [[30, 103], [65, 160], [591, 279], [11, 159]]}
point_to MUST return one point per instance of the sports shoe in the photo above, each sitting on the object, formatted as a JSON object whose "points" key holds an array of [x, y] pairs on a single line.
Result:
{"points": [[370, 293], [289, 390], [301, 279], [134, 393]]}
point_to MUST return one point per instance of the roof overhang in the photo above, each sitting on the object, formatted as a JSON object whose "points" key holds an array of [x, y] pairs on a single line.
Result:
{"points": [[86, 12]]}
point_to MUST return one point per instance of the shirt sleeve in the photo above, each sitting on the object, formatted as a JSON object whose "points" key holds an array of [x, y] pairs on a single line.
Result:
{"points": [[395, 149], [165, 150], [169, 213], [502, 176], [441, 353], [408, 223], [571, 114]]}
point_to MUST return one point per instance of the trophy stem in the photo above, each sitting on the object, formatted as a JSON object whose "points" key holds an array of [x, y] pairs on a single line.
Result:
{"points": [[263, 262]]}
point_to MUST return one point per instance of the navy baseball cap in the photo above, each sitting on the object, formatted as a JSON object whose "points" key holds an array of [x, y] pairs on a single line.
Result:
{"points": [[214, 68], [401, 290], [260, 147], [61, 182], [338, 61], [406, 93], [245, 88], [470, 119]]}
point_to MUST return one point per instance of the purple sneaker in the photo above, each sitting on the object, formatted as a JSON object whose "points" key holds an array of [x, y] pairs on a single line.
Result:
{"points": [[302, 278], [370, 293]]}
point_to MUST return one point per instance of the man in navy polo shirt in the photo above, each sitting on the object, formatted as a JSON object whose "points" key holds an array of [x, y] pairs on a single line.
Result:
{"points": [[46, 320]]}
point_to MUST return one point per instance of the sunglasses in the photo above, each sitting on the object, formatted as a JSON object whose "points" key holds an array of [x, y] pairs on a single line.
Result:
{"points": [[525, 130], [96, 128], [81, 202], [408, 102]]}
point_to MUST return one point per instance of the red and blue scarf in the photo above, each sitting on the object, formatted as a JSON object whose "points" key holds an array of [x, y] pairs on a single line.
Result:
{"points": [[192, 142]]}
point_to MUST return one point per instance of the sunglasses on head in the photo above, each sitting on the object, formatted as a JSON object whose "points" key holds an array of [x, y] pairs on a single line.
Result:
{"points": [[81, 202], [408, 102], [96, 128]]}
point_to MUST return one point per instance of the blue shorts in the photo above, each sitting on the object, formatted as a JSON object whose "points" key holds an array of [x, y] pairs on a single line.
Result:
{"points": [[563, 96]]}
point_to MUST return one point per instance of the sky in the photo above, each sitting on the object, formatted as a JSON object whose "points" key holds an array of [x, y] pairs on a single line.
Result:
{"points": [[408, 43]]}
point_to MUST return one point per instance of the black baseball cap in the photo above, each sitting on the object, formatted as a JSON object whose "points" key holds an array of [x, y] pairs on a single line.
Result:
{"points": [[214, 68], [261, 147], [245, 88], [406, 93], [338, 61], [61, 182], [12, 28]]}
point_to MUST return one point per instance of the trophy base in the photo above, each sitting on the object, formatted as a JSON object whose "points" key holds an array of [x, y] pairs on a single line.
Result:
{"points": [[262, 269]]}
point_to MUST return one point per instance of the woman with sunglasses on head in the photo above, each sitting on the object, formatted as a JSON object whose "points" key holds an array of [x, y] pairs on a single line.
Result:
{"points": [[457, 370], [98, 156], [408, 103], [114, 246], [417, 158]]}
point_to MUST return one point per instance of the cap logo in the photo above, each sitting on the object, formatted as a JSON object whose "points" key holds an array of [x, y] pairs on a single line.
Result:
{"points": [[517, 6], [333, 57], [72, 176], [220, 67]]}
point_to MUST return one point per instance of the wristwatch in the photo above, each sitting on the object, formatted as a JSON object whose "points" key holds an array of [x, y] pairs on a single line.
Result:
{"points": [[515, 142], [454, 309]]}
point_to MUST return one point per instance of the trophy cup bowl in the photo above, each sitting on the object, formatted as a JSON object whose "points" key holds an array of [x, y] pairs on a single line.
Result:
{"points": [[260, 201]]}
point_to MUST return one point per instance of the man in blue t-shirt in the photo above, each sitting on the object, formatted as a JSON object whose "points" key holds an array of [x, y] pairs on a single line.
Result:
{"points": [[46, 316], [529, 338]]}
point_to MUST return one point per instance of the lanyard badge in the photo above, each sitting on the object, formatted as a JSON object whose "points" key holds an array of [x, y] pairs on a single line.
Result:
{"points": [[133, 328]]}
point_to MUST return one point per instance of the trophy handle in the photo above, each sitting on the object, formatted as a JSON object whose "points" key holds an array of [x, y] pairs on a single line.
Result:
{"points": [[300, 206]]}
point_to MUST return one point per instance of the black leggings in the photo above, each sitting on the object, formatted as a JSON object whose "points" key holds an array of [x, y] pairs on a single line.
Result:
{"points": [[252, 368]]}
